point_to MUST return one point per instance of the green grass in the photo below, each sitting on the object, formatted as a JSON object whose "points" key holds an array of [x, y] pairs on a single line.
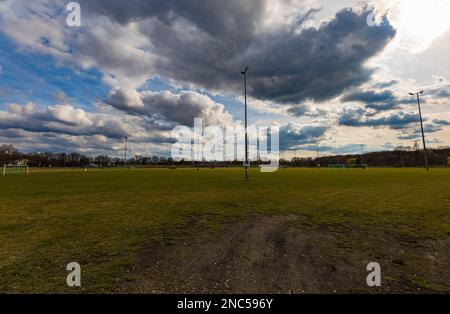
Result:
{"points": [[102, 219]]}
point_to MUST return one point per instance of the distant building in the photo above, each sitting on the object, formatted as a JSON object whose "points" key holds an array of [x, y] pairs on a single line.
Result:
{"points": [[21, 162]]}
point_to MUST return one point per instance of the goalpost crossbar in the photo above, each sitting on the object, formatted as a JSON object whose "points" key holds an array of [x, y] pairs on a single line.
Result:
{"points": [[15, 167]]}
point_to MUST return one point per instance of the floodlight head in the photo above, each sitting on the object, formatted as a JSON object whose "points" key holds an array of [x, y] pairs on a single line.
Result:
{"points": [[411, 94], [245, 71], [421, 92]]}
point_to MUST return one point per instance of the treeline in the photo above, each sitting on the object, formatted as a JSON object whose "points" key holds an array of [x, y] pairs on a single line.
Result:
{"points": [[9, 155], [400, 157]]}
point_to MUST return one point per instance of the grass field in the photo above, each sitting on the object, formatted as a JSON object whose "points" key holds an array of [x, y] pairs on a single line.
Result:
{"points": [[108, 219]]}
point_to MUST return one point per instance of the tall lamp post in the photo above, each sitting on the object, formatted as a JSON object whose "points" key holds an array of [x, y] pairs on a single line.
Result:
{"points": [[318, 155], [125, 151], [425, 154], [362, 151], [246, 163]]}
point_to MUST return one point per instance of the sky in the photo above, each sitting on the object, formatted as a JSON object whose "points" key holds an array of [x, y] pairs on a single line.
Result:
{"points": [[337, 73]]}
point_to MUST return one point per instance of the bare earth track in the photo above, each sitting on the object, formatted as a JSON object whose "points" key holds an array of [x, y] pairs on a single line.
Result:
{"points": [[276, 254]]}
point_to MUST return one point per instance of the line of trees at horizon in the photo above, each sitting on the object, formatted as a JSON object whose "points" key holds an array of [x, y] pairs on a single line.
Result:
{"points": [[399, 157]]}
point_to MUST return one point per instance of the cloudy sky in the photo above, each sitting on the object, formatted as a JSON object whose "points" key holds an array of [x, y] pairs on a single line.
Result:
{"points": [[333, 72]]}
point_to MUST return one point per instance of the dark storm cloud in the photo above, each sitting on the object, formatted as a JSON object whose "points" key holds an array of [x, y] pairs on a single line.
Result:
{"points": [[430, 128], [231, 19], [223, 28], [207, 42], [167, 107], [360, 118], [409, 137], [306, 111], [378, 101], [299, 111], [291, 135], [443, 92], [316, 64], [386, 84], [417, 133], [371, 96], [441, 122]]}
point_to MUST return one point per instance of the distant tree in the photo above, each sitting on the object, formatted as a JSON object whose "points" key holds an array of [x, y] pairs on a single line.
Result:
{"points": [[102, 160], [9, 149], [155, 159], [8, 154]]}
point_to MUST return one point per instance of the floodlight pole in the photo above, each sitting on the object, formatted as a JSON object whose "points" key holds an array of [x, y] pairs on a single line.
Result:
{"points": [[318, 155], [125, 152], [246, 134], [425, 154], [258, 157]]}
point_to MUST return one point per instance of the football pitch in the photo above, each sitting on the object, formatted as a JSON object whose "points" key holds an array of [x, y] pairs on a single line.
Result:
{"points": [[188, 230]]}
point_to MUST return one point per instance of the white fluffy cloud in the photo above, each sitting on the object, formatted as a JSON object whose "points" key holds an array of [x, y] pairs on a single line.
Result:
{"points": [[67, 128], [61, 119]]}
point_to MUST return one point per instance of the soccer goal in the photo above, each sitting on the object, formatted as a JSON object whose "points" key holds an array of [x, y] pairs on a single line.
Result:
{"points": [[348, 166], [10, 169], [337, 166]]}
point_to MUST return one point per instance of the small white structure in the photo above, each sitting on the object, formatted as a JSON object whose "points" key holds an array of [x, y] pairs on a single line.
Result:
{"points": [[19, 166], [16, 169]]}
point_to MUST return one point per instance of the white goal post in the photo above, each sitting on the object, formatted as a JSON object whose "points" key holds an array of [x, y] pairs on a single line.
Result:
{"points": [[16, 169]]}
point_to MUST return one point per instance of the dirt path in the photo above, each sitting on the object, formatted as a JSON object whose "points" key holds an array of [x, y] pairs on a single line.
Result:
{"points": [[269, 254]]}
